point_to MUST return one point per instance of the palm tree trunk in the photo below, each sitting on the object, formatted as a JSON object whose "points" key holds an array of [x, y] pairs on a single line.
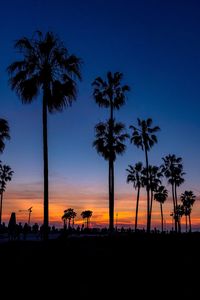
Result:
{"points": [[64, 224], [161, 212], [137, 205], [180, 226], [190, 224], [174, 207], [186, 223], [1, 207], [111, 172], [176, 203], [111, 195], [150, 209], [148, 196], [45, 157], [175, 191]]}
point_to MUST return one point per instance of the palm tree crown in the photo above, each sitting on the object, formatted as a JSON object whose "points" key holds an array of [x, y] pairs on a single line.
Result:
{"points": [[5, 176], [172, 167], [46, 65], [135, 175], [144, 136], [4, 133], [109, 146], [188, 198], [161, 194], [110, 93]]}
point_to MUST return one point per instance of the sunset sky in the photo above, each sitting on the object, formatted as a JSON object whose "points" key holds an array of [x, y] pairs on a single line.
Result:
{"points": [[156, 45]]}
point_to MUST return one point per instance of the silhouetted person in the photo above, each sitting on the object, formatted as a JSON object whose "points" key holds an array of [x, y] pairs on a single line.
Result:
{"points": [[25, 230], [12, 226], [35, 228]]}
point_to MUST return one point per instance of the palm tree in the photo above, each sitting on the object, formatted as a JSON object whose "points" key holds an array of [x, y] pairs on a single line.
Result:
{"points": [[87, 214], [4, 133], [188, 198], [46, 67], [5, 176], [155, 173], [69, 214], [172, 169], [103, 144], [110, 93], [161, 195], [135, 176], [144, 137], [179, 212]]}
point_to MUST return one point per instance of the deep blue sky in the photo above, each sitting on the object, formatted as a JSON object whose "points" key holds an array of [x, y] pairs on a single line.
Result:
{"points": [[156, 44]]}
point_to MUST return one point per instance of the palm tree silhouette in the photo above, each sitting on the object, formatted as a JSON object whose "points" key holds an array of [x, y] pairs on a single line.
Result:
{"points": [[87, 214], [4, 133], [161, 195], [155, 173], [110, 94], [172, 169], [188, 198], [179, 212], [69, 214], [6, 174], [109, 146], [135, 176], [144, 137], [46, 67]]}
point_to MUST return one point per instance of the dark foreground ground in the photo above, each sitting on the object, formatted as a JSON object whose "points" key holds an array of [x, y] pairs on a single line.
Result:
{"points": [[133, 266]]}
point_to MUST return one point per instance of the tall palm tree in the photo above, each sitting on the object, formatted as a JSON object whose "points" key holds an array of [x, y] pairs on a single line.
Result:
{"points": [[144, 137], [188, 198], [4, 133], [173, 171], [87, 214], [161, 195], [6, 174], [103, 144], [111, 94], [135, 176], [47, 67]]}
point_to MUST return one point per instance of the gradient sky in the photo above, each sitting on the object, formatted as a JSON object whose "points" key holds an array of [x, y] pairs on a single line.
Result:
{"points": [[156, 44]]}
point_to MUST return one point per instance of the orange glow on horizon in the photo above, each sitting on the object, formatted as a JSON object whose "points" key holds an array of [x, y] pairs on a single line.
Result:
{"points": [[124, 210]]}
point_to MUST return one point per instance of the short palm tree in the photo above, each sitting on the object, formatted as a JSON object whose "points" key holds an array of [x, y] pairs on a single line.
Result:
{"points": [[173, 171], [143, 136], [87, 214], [4, 133], [109, 146], [161, 195], [188, 198], [179, 212], [6, 174], [155, 174], [69, 214], [46, 67], [135, 176]]}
